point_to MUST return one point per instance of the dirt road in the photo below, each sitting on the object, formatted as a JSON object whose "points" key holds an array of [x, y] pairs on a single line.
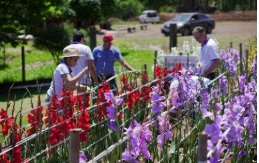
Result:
{"points": [[233, 28], [234, 31]]}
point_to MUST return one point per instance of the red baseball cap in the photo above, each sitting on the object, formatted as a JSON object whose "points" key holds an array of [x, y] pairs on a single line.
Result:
{"points": [[109, 38]]}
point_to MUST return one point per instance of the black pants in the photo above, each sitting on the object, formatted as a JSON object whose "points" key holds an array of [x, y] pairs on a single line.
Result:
{"points": [[211, 76]]}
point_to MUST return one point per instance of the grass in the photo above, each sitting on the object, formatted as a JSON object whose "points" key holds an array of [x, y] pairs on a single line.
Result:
{"points": [[38, 64]]}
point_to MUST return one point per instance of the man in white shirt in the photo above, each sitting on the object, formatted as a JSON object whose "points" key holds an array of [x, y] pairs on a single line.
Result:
{"points": [[86, 60], [209, 52]]}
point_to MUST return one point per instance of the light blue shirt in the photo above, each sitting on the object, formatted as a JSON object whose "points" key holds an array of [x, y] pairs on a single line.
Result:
{"points": [[104, 59]]}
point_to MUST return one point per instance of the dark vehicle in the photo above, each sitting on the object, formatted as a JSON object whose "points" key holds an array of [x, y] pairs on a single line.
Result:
{"points": [[185, 23]]}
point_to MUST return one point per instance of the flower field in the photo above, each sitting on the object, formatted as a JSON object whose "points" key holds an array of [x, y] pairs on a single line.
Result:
{"points": [[141, 123]]}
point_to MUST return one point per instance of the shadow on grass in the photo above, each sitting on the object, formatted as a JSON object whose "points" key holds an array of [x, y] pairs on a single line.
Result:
{"points": [[124, 54], [4, 66], [16, 95]]}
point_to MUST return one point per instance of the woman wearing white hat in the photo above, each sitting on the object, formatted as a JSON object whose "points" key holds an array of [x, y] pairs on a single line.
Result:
{"points": [[62, 78]]}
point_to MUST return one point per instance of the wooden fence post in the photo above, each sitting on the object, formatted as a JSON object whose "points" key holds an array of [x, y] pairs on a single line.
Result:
{"points": [[246, 63], [92, 37], [74, 145], [173, 36], [202, 148], [144, 79], [145, 68], [231, 45], [23, 64], [240, 56], [155, 62]]}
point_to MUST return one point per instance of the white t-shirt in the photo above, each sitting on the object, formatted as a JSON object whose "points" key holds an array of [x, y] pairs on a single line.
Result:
{"points": [[57, 81], [208, 53], [81, 63], [194, 80]]}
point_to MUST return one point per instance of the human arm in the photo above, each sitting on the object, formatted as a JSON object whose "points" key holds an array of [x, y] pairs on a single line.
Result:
{"points": [[92, 70], [127, 66], [211, 68], [71, 82]]}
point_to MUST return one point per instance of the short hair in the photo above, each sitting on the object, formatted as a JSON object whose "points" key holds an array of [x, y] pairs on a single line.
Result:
{"points": [[78, 36], [199, 29]]}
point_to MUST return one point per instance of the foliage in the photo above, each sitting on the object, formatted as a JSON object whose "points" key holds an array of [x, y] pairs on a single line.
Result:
{"points": [[252, 50], [53, 39], [18, 15], [128, 9], [88, 12]]}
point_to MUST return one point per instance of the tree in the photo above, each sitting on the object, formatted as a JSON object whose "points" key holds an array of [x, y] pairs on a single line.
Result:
{"points": [[16, 15]]}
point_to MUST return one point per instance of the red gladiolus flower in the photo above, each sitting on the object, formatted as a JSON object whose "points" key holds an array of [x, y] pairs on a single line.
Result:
{"points": [[145, 94], [101, 102], [83, 122], [83, 137], [17, 155], [124, 79], [35, 119], [158, 72], [120, 116], [67, 103], [54, 136], [166, 72], [125, 85], [51, 111], [177, 68], [83, 103], [4, 158], [132, 97], [5, 122], [144, 78]]}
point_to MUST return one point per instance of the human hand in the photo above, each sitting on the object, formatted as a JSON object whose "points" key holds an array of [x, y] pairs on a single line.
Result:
{"points": [[85, 70], [136, 72]]}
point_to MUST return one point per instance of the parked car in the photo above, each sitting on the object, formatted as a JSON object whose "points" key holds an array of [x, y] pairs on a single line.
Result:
{"points": [[149, 16], [185, 23]]}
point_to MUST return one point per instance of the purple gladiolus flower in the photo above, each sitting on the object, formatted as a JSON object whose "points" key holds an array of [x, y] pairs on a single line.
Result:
{"points": [[138, 137], [157, 104], [218, 149], [241, 153], [175, 99], [164, 129], [115, 100], [112, 125], [127, 157], [223, 84], [109, 96], [111, 112], [200, 68], [82, 157], [214, 131], [242, 81], [219, 106], [230, 60], [254, 68]]}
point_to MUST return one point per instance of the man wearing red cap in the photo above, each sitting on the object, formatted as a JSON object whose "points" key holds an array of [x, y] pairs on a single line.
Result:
{"points": [[105, 56]]}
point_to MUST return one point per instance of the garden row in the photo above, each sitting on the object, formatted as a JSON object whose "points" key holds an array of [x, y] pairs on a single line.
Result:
{"points": [[141, 123]]}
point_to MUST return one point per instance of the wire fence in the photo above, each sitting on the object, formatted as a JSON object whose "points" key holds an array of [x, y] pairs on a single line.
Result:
{"points": [[41, 134]]}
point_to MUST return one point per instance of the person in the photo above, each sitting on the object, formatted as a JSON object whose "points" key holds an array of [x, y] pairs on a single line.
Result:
{"points": [[104, 57], [62, 78], [208, 54], [86, 60]]}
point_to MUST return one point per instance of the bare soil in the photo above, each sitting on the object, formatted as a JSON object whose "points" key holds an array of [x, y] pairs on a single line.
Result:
{"points": [[240, 24]]}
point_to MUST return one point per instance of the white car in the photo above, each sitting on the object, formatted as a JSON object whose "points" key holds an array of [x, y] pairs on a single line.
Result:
{"points": [[149, 16]]}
